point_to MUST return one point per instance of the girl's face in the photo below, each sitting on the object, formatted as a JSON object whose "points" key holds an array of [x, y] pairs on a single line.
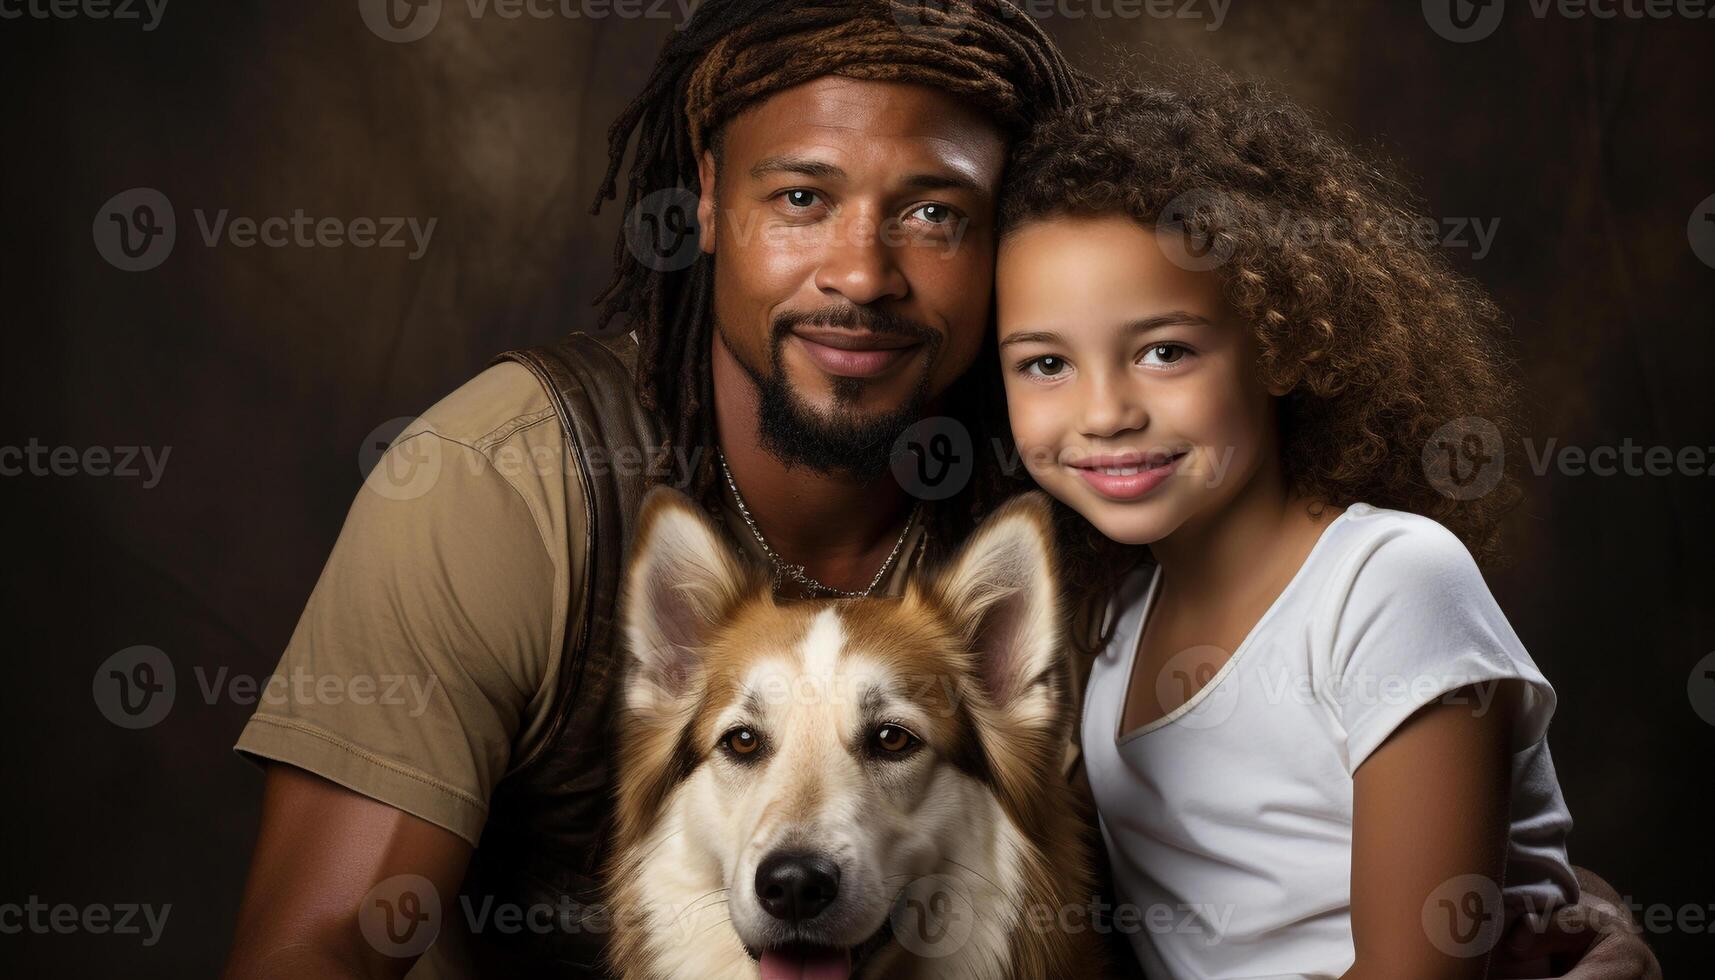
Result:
{"points": [[1133, 390]]}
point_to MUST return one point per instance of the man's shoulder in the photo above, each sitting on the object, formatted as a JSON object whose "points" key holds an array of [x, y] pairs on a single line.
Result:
{"points": [[498, 404]]}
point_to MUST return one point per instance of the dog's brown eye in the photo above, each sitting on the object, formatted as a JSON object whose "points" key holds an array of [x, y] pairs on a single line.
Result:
{"points": [[893, 739], [741, 741]]}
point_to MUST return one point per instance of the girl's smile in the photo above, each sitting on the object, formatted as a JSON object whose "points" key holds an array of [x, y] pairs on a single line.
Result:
{"points": [[1132, 388]]}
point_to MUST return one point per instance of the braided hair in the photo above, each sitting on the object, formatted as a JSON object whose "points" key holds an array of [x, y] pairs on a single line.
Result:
{"points": [[735, 53]]}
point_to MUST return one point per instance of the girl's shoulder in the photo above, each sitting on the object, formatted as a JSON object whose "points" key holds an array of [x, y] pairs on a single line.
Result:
{"points": [[1393, 549]]}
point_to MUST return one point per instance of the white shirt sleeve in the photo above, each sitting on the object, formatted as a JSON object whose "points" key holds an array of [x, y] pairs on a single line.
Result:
{"points": [[1413, 620]]}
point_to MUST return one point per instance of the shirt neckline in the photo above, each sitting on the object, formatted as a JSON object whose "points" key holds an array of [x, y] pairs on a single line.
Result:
{"points": [[1129, 657]]}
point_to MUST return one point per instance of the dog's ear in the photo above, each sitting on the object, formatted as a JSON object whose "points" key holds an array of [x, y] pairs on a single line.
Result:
{"points": [[1001, 594], [683, 579]]}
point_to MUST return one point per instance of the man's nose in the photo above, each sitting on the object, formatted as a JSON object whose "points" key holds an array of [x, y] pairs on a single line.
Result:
{"points": [[859, 265], [796, 887]]}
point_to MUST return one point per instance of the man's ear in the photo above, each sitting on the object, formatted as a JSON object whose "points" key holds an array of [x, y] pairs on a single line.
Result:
{"points": [[706, 202], [682, 581], [1001, 594]]}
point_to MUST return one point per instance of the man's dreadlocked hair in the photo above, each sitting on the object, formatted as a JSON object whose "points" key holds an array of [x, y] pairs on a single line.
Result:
{"points": [[736, 53]]}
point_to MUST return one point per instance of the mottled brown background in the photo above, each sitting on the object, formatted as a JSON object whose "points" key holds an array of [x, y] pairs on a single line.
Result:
{"points": [[265, 369]]}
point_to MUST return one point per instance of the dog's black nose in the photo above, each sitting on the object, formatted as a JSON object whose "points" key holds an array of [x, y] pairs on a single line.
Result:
{"points": [[796, 887]]}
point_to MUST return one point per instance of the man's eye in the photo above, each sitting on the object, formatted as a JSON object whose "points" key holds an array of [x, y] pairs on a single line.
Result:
{"points": [[893, 740], [935, 214], [800, 198], [1046, 366], [741, 741]]}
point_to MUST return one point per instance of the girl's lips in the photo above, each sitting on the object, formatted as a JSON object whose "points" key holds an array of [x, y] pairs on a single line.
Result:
{"points": [[1126, 479]]}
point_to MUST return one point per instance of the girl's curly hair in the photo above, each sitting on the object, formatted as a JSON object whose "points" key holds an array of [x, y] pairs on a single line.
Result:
{"points": [[1387, 352]]}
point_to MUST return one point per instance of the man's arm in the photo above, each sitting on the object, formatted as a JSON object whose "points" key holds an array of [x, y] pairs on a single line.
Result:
{"points": [[321, 850], [1595, 939]]}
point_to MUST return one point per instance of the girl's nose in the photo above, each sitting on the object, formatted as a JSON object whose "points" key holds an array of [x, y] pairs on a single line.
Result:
{"points": [[1112, 407]]}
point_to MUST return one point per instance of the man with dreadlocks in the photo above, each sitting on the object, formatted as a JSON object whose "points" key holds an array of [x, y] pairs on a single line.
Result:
{"points": [[843, 161]]}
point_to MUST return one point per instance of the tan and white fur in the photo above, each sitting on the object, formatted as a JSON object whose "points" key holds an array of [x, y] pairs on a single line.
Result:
{"points": [[760, 742]]}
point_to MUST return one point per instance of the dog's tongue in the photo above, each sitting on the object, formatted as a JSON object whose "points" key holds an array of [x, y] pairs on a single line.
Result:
{"points": [[805, 964]]}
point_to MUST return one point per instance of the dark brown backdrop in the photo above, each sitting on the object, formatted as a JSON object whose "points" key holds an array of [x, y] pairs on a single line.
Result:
{"points": [[264, 370]]}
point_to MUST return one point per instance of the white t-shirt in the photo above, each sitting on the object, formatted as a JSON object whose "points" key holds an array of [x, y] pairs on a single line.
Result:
{"points": [[1229, 820]]}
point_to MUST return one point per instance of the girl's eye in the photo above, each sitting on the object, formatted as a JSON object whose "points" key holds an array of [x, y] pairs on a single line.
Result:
{"points": [[741, 741], [1164, 354], [935, 214], [800, 198], [893, 740], [1046, 366]]}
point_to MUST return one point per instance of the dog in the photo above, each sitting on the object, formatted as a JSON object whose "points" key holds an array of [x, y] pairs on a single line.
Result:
{"points": [[845, 788]]}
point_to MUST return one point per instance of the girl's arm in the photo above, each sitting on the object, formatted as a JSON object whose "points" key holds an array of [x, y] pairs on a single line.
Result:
{"points": [[1430, 807]]}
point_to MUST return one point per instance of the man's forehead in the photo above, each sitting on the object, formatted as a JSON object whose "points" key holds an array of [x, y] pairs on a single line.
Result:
{"points": [[834, 119]]}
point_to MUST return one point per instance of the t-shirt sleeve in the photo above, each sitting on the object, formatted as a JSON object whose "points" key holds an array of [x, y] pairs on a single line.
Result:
{"points": [[423, 645], [1413, 620]]}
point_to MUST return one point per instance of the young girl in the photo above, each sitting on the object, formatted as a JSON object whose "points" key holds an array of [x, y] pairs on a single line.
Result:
{"points": [[1315, 744]]}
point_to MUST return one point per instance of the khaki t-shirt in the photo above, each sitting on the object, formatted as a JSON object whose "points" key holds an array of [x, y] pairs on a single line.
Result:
{"points": [[425, 662]]}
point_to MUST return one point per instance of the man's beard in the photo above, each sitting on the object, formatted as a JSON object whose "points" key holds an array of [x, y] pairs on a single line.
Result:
{"points": [[798, 435]]}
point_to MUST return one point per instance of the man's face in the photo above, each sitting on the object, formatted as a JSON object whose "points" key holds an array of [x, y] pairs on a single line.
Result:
{"points": [[852, 223]]}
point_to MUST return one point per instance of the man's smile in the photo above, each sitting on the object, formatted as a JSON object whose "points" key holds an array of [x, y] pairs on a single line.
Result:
{"points": [[853, 353]]}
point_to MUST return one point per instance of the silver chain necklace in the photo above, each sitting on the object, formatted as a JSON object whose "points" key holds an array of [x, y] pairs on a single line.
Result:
{"points": [[796, 573]]}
